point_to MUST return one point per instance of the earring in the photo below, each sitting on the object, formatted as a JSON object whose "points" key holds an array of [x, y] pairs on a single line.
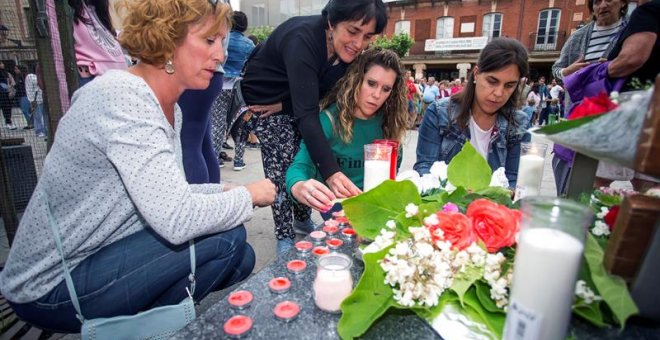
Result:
{"points": [[169, 67], [474, 81]]}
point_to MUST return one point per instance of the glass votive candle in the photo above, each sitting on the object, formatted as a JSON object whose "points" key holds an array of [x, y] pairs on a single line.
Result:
{"points": [[348, 233], [338, 213], [320, 251], [342, 220], [330, 229], [296, 266], [286, 310], [331, 222], [304, 247], [317, 236], [334, 243], [240, 299], [333, 282], [376, 165], [238, 326], [530, 169], [279, 285]]}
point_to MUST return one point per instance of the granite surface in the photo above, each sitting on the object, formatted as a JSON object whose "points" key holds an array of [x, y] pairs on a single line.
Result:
{"points": [[313, 323]]}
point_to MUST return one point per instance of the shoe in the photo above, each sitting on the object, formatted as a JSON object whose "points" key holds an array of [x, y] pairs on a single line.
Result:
{"points": [[221, 163], [11, 127], [225, 157], [29, 127], [284, 245], [239, 166], [304, 227], [226, 146]]}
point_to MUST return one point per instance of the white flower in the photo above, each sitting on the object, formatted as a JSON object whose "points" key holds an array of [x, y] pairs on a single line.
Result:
{"points": [[653, 192], [410, 175], [461, 259], [603, 212], [390, 224], [429, 182], [431, 220], [424, 249], [583, 291], [411, 210], [600, 229], [401, 249], [420, 234], [498, 179], [449, 187], [439, 170]]}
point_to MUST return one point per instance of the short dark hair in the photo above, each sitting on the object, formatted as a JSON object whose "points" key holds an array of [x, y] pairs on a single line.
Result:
{"points": [[623, 12], [337, 11], [240, 21]]}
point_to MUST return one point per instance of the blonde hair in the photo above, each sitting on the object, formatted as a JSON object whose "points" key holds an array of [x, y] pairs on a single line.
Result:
{"points": [[347, 91], [153, 29]]}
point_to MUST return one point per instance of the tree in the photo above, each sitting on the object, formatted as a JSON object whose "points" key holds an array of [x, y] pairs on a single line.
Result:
{"points": [[399, 43], [261, 32]]}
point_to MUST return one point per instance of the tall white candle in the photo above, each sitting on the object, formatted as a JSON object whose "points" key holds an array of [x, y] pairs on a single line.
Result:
{"points": [[375, 172], [332, 285], [545, 270], [530, 173]]}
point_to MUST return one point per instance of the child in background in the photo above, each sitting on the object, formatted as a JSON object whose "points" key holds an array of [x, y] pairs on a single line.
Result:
{"points": [[529, 109], [553, 109]]}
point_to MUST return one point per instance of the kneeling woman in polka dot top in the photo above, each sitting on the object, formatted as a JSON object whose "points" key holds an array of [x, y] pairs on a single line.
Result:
{"points": [[115, 183]]}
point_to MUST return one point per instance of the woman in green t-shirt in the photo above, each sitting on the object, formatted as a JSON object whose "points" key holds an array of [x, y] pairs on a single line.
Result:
{"points": [[368, 103]]}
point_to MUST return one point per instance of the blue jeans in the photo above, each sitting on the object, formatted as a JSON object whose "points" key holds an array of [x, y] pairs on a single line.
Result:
{"points": [[25, 109], [39, 120], [140, 272]]}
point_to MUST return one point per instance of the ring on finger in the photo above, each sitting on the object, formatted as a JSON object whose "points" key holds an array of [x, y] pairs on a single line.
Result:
{"points": [[307, 197]]}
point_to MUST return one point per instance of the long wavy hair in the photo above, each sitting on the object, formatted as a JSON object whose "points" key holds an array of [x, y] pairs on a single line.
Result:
{"points": [[498, 54], [347, 91]]}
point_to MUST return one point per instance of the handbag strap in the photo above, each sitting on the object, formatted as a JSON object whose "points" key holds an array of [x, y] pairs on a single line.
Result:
{"points": [[67, 273]]}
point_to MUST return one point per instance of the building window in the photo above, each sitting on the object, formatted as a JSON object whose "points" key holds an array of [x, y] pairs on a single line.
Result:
{"points": [[258, 16], [492, 26], [402, 26], [546, 36], [444, 28], [468, 26]]}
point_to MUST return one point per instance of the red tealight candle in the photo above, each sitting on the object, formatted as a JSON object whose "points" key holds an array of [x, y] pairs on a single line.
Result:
{"points": [[286, 310], [279, 285], [334, 243], [331, 229], [317, 236], [341, 219], [348, 233], [320, 251], [238, 325], [296, 266], [331, 223], [304, 247], [240, 299], [338, 213]]}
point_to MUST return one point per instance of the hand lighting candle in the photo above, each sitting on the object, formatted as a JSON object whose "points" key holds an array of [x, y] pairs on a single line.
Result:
{"points": [[376, 164], [333, 281], [547, 261], [530, 169]]}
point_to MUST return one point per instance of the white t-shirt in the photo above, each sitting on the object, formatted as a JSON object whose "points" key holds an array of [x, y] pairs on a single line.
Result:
{"points": [[554, 91], [479, 138]]}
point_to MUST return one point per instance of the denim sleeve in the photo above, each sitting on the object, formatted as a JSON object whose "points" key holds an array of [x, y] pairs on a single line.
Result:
{"points": [[429, 141], [520, 135]]}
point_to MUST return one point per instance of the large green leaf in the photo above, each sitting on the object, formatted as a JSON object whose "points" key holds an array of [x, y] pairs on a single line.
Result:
{"points": [[469, 169], [463, 281], [370, 299], [565, 125], [497, 194], [494, 321], [611, 288], [369, 211], [483, 294], [591, 313]]}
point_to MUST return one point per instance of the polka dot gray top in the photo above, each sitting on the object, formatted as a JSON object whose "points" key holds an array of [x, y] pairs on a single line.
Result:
{"points": [[113, 170]]}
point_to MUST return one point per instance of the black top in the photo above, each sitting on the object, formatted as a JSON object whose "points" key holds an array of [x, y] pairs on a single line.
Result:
{"points": [[643, 19], [20, 85], [292, 67]]}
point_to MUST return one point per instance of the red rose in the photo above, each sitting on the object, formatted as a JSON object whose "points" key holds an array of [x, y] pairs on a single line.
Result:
{"points": [[456, 227], [610, 218], [592, 106], [495, 224]]}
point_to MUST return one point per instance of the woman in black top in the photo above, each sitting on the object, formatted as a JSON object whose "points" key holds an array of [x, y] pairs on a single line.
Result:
{"points": [[283, 82], [20, 71]]}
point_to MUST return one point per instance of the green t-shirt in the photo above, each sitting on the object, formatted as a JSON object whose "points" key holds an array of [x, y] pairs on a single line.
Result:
{"points": [[350, 157]]}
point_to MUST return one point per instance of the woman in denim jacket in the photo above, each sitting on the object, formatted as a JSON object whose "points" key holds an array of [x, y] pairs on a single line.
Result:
{"points": [[485, 109]]}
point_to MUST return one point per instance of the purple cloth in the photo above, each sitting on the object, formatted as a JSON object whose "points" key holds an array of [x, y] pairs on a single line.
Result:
{"points": [[590, 81]]}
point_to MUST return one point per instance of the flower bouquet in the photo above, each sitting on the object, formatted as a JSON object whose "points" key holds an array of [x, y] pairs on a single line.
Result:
{"points": [[445, 252]]}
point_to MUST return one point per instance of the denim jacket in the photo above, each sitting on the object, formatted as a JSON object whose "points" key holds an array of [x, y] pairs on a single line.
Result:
{"points": [[440, 141], [238, 51]]}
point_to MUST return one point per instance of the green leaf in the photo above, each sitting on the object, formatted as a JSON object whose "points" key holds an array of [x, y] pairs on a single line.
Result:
{"points": [[369, 211], [565, 125], [497, 194], [591, 313], [463, 281], [469, 169], [370, 299], [494, 321], [483, 294], [431, 313], [611, 288]]}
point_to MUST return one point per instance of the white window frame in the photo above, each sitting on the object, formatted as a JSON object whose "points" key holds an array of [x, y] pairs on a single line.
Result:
{"points": [[402, 26], [547, 33], [488, 27], [444, 28]]}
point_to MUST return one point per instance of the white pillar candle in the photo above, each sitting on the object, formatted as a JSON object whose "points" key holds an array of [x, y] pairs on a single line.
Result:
{"points": [[375, 172], [530, 173], [545, 270]]}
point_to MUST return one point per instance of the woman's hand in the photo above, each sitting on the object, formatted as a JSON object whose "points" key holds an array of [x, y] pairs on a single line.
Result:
{"points": [[262, 192], [574, 67], [314, 194], [266, 110], [341, 186]]}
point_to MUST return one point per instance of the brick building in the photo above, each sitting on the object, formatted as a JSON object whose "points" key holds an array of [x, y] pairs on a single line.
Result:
{"points": [[449, 33]]}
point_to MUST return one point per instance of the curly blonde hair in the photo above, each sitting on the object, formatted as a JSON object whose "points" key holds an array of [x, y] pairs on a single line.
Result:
{"points": [[154, 28], [347, 91]]}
